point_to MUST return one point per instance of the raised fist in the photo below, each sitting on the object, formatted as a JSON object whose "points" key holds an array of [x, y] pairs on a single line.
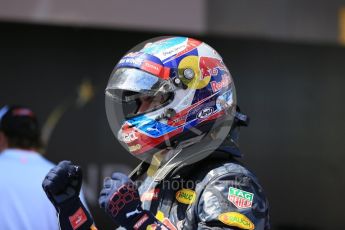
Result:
{"points": [[63, 182], [62, 186]]}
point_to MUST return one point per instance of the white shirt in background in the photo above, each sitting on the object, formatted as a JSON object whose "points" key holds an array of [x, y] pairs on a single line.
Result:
{"points": [[23, 203]]}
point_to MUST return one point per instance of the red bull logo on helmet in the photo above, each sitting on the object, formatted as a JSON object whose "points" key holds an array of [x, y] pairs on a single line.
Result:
{"points": [[216, 86]]}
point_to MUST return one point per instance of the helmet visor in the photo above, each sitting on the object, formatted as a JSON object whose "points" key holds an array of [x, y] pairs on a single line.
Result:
{"points": [[138, 92]]}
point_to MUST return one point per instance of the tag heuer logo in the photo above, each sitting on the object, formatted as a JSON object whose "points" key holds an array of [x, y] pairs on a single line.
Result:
{"points": [[241, 199]]}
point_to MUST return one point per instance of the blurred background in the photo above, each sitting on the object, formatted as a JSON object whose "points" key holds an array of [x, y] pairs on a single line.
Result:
{"points": [[286, 56]]}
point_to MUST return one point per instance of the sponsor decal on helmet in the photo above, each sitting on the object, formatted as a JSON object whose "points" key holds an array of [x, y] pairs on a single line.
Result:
{"points": [[166, 48], [129, 137], [216, 86], [225, 100], [191, 45], [209, 66], [205, 112], [173, 50], [241, 199], [151, 67], [153, 129], [155, 69], [135, 61], [134, 148], [186, 196], [146, 62], [177, 120], [236, 219]]}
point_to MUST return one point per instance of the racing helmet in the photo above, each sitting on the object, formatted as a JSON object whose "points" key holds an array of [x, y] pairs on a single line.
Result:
{"points": [[170, 94]]}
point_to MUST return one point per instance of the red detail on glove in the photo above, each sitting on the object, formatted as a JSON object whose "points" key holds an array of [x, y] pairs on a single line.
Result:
{"points": [[78, 218], [119, 199], [140, 222]]}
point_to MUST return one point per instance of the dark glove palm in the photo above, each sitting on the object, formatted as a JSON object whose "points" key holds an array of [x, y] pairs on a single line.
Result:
{"points": [[120, 199]]}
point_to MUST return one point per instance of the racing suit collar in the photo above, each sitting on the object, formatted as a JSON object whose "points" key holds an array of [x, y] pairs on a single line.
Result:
{"points": [[224, 151]]}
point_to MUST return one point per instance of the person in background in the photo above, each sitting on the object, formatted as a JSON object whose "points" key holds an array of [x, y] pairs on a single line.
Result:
{"points": [[23, 203]]}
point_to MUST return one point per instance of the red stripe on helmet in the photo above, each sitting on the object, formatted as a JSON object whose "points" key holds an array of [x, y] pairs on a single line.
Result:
{"points": [[156, 69]]}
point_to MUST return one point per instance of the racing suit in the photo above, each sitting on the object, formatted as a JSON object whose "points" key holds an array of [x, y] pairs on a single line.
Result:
{"points": [[215, 193]]}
